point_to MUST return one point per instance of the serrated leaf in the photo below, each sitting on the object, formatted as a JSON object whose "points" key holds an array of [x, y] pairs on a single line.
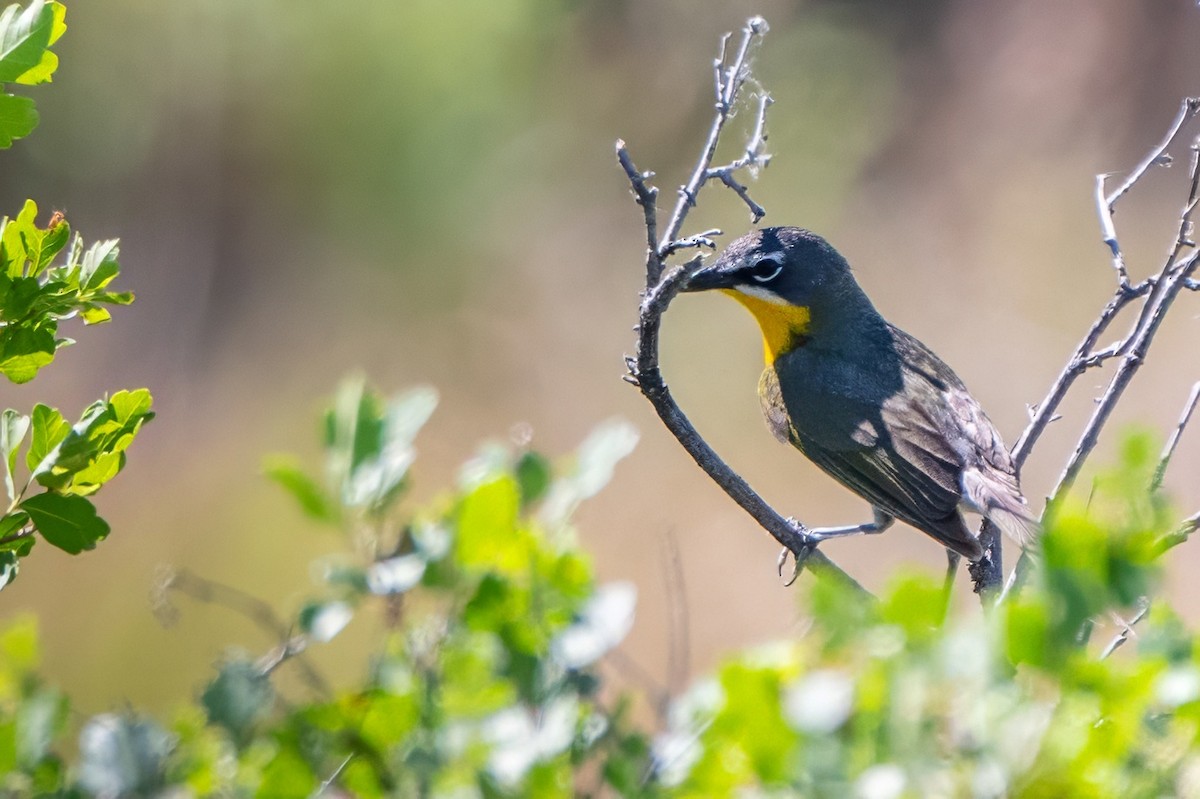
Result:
{"points": [[68, 522], [18, 118], [312, 498], [13, 427], [24, 37]]}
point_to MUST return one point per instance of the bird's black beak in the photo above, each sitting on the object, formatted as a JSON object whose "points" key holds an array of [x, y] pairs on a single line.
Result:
{"points": [[713, 276]]}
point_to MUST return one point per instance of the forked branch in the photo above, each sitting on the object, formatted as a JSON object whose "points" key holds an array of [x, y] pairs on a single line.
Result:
{"points": [[662, 285], [1156, 294]]}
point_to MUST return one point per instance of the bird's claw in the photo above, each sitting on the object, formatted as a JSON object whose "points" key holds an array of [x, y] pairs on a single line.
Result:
{"points": [[783, 557]]}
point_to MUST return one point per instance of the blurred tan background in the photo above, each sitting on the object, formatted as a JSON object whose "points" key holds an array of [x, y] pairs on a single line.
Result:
{"points": [[426, 191]]}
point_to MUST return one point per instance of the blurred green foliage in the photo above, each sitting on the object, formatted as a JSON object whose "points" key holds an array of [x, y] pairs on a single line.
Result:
{"points": [[70, 462], [484, 683], [25, 59], [484, 680]]}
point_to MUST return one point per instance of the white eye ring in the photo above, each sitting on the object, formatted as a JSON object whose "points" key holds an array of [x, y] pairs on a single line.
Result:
{"points": [[770, 277]]}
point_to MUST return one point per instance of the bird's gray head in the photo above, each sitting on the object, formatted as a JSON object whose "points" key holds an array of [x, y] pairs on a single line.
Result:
{"points": [[798, 287], [777, 265]]}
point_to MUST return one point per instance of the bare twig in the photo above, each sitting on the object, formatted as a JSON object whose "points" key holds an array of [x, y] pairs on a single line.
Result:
{"points": [[1164, 460], [1187, 109], [728, 81], [1157, 292], [662, 286], [679, 645], [1109, 232], [1126, 629], [25, 532], [1179, 535], [332, 779], [1167, 285], [247, 605]]}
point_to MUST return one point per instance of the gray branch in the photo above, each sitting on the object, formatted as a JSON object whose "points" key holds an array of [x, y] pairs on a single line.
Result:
{"points": [[1157, 292], [662, 286]]}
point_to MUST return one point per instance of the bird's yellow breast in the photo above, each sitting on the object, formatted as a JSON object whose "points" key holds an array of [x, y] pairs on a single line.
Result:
{"points": [[784, 326]]}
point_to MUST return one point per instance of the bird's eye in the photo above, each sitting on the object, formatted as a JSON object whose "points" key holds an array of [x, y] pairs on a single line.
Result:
{"points": [[766, 270]]}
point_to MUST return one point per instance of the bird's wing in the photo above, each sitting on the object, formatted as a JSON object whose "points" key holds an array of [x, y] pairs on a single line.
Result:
{"points": [[936, 400], [894, 485]]}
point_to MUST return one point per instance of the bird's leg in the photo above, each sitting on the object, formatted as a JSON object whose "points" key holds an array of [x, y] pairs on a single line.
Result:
{"points": [[881, 522], [952, 559]]}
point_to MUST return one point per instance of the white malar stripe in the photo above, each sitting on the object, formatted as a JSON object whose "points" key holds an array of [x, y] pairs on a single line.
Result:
{"points": [[766, 295]]}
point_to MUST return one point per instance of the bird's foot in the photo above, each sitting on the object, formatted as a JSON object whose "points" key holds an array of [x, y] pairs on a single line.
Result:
{"points": [[783, 558]]}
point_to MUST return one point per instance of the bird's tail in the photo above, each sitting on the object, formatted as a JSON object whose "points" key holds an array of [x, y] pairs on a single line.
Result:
{"points": [[998, 497], [1017, 525]]}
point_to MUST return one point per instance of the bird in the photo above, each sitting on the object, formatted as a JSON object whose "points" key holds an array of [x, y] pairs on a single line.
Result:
{"points": [[869, 404]]}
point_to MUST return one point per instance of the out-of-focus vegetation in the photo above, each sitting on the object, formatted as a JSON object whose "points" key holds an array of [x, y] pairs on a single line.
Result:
{"points": [[483, 680], [68, 461], [425, 190]]}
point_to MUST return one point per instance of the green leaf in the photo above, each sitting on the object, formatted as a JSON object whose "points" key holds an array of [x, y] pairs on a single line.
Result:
{"points": [[25, 350], [122, 755], [315, 503], [487, 534], [44, 245], [99, 265], [19, 650], [91, 452], [370, 443], [94, 315], [19, 296], [13, 427], [917, 605], [10, 523], [68, 522], [533, 476], [24, 37], [353, 430], [594, 464], [40, 719], [10, 566], [49, 428], [239, 696], [13, 236], [18, 118], [322, 621]]}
